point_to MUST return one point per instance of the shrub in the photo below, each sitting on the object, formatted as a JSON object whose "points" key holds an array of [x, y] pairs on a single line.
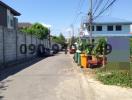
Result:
{"points": [[115, 78]]}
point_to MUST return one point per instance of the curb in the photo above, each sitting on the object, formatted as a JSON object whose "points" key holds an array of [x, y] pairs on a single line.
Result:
{"points": [[87, 89]]}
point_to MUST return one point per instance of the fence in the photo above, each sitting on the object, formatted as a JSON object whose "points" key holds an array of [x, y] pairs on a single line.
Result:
{"points": [[10, 43]]}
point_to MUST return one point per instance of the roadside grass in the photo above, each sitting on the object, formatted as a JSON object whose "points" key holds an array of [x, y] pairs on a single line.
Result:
{"points": [[123, 79], [118, 77]]}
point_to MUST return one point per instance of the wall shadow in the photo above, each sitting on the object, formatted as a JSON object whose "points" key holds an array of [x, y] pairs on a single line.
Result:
{"points": [[3, 87], [13, 69]]}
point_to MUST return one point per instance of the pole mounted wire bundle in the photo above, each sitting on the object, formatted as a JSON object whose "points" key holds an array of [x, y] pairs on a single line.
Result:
{"points": [[106, 6], [96, 7]]}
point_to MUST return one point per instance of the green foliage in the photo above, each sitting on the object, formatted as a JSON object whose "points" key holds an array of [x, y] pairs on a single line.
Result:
{"points": [[62, 39], [118, 78], [55, 39], [72, 40], [82, 44], [131, 46], [59, 39], [100, 46], [37, 30]]}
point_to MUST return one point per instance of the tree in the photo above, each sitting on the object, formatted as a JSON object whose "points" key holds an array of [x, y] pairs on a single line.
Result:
{"points": [[72, 40], [62, 39], [59, 39], [37, 30], [55, 39]]}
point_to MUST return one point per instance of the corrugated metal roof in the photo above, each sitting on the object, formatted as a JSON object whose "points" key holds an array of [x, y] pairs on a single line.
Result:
{"points": [[110, 20], [11, 9]]}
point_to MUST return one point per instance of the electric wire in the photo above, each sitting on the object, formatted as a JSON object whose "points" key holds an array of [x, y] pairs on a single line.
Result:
{"points": [[79, 7], [98, 5], [104, 9]]}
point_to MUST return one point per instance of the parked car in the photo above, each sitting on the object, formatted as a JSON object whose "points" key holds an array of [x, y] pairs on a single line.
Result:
{"points": [[72, 49], [45, 52], [55, 48], [49, 52]]}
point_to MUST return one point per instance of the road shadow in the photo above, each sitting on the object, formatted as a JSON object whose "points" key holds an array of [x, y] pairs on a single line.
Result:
{"points": [[13, 69], [1, 97], [3, 87]]}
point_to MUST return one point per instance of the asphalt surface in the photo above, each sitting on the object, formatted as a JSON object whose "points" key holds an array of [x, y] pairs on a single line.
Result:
{"points": [[52, 78], [55, 78]]}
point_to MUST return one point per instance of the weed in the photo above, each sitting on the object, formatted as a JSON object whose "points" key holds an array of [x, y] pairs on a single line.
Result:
{"points": [[118, 78]]}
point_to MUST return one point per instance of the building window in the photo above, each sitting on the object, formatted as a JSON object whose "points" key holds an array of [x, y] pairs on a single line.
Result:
{"points": [[11, 23], [89, 28], [7, 19], [98, 28], [92, 28], [118, 27], [110, 28]]}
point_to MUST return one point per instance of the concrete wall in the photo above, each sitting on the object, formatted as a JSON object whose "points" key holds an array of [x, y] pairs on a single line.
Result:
{"points": [[10, 43], [1, 45], [120, 49], [21, 39]]}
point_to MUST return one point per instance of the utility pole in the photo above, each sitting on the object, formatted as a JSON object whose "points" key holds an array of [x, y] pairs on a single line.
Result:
{"points": [[72, 27], [49, 36], [91, 20], [72, 37]]}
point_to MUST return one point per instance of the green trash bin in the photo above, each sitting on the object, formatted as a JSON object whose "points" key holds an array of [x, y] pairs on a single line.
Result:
{"points": [[76, 57], [79, 59]]}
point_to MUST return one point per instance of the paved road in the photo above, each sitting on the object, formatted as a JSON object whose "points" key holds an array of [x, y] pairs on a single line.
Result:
{"points": [[53, 78]]}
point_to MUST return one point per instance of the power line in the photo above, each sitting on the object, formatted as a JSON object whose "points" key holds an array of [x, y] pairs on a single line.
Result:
{"points": [[98, 5], [80, 4], [103, 10], [95, 3], [105, 5], [79, 7]]}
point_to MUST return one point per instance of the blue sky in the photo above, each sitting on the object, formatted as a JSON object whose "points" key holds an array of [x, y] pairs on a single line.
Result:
{"points": [[61, 13]]}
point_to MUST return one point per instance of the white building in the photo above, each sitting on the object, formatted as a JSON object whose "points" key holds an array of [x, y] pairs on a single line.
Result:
{"points": [[108, 25], [117, 32]]}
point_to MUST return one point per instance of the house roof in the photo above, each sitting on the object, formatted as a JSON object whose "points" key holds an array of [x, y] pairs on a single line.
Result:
{"points": [[104, 20], [24, 24], [11, 9]]}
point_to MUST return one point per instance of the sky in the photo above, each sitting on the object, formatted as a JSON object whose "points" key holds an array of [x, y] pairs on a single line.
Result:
{"points": [[60, 14]]}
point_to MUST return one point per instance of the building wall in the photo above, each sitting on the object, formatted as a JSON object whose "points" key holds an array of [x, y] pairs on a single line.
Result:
{"points": [[3, 16], [15, 20], [120, 49], [125, 30], [10, 19], [1, 45]]}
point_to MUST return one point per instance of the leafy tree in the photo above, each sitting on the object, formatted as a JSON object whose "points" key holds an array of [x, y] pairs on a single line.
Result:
{"points": [[62, 39], [59, 39], [37, 30], [73, 40], [55, 39]]}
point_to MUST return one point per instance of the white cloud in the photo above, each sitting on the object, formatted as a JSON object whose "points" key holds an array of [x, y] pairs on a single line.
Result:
{"points": [[46, 25], [68, 29]]}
